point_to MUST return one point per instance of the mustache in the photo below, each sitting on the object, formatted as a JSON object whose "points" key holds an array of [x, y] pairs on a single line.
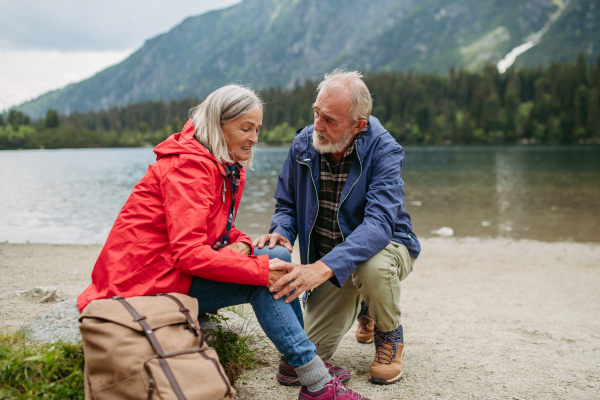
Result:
{"points": [[321, 133]]}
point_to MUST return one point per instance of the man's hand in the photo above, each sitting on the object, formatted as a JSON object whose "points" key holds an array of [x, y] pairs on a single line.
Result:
{"points": [[273, 239], [298, 277], [275, 275], [240, 247]]}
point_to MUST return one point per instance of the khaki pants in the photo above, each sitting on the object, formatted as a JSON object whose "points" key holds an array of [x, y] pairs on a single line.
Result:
{"points": [[331, 311]]}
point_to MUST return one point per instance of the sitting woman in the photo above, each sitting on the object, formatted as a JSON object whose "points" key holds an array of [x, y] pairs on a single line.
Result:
{"points": [[176, 234]]}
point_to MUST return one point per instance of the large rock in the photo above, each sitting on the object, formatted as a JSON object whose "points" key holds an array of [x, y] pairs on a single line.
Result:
{"points": [[61, 324]]}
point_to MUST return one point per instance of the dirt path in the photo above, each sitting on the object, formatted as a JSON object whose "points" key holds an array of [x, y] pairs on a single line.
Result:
{"points": [[483, 319]]}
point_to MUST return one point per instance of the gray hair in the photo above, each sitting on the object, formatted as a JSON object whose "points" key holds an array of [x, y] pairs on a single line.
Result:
{"points": [[361, 103], [222, 105]]}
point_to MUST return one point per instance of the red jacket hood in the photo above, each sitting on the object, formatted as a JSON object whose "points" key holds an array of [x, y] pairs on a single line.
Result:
{"points": [[182, 143]]}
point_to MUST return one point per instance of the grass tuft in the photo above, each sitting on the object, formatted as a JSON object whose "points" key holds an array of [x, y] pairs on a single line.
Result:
{"points": [[41, 371], [235, 349]]}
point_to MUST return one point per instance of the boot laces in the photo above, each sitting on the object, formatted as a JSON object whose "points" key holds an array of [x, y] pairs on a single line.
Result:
{"points": [[363, 321], [386, 345], [339, 388]]}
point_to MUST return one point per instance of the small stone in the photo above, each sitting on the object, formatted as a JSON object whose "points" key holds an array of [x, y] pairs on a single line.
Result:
{"points": [[444, 231], [42, 294]]}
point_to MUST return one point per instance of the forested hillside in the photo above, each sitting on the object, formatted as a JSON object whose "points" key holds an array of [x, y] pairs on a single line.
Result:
{"points": [[279, 43], [559, 104]]}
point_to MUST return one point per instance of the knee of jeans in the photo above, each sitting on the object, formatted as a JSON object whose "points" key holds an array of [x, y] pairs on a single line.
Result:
{"points": [[280, 252]]}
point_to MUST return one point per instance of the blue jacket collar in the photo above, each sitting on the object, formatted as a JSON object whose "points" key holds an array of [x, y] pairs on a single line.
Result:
{"points": [[307, 153]]}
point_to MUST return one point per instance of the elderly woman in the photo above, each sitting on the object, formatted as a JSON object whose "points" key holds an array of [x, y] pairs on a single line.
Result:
{"points": [[176, 234]]}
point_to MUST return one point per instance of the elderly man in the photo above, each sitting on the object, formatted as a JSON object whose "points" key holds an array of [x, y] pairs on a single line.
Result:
{"points": [[341, 193]]}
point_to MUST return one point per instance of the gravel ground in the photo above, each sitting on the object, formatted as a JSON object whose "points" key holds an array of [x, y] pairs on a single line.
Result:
{"points": [[483, 319]]}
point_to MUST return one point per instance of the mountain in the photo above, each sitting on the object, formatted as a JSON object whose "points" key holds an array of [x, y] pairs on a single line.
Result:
{"points": [[281, 42]]}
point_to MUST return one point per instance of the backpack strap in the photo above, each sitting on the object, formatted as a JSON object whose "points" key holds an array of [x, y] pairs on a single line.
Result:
{"points": [[155, 344], [193, 327]]}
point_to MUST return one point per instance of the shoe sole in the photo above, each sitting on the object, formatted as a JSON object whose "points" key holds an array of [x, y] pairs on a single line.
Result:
{"points": [[296, 382], [370, 341], [383, 381], [287, 381]]}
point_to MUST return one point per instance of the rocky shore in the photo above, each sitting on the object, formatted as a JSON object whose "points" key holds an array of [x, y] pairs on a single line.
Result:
{"points": [[483, 319]]}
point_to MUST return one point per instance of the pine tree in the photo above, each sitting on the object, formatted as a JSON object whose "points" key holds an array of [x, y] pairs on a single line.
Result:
{"points": [[52, 120], [593, 114], [580, 110], [581, 70]]}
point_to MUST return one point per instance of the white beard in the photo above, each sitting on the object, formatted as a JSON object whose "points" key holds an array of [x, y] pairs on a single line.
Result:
{"points": [[332, 148]]}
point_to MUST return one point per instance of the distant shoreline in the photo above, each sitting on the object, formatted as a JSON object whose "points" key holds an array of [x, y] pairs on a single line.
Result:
{"points": [[588, 143]]}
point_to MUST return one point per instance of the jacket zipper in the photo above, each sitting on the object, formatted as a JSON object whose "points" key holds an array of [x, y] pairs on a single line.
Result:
{"points": [[348, 194], [315, 220]]}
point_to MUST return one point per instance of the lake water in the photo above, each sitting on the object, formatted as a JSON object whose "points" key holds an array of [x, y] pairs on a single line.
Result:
{"points": [[522, 192]]}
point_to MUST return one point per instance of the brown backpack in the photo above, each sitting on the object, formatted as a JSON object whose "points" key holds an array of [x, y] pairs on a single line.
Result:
{"points": [[149, 347]]}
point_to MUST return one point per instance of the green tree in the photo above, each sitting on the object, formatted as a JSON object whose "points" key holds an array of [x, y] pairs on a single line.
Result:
{"points": [[580, 110], [593, 115], [581, 70], [52, 120], [17, 118], [595, 75]]}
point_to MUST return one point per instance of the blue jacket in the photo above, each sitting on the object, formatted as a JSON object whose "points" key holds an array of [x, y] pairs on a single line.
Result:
{"points": [[371, 211]]}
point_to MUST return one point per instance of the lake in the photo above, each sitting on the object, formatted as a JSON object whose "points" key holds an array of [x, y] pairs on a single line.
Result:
{"points": [[520, 192]]}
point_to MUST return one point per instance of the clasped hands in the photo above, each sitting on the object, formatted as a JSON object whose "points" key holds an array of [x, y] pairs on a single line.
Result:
{"points": [[290, 279]]}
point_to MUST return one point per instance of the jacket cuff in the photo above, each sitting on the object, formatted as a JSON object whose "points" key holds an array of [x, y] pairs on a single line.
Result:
{"points": [[340, 272], [263, 262], [248, 241]]}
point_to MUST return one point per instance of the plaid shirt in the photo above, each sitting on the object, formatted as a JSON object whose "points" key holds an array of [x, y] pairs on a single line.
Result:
{"points": [[333, 178], [232, 174]]}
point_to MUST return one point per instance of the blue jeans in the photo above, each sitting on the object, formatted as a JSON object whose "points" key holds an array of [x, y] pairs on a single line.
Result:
{"points": [[282, 322]]}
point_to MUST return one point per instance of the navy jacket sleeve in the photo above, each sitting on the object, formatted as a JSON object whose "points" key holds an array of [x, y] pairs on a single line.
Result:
{"points": [[284, 219], [385, 198]]}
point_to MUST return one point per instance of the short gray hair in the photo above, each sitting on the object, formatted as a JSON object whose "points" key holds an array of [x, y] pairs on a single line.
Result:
{"points": [[222, 105], [361, 103]]}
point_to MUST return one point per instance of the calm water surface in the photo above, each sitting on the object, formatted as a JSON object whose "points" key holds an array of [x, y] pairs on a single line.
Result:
{"points": [[543, 193]]}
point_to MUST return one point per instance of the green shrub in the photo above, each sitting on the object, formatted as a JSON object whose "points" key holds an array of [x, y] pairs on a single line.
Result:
{"points": [[44, 371], [235, 350]]}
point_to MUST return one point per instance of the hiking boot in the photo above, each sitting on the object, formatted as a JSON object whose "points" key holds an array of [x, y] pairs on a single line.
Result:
{"points": [[286, 375], [366, 325], [386, 368], [333, 389]]}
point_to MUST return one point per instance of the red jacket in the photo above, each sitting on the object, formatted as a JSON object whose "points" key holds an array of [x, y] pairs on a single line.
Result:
{"points": [[164, 234]]}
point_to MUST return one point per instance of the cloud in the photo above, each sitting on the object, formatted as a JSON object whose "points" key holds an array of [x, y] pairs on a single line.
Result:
{"points": [[26, 74], [45, 45], [76, 25]]}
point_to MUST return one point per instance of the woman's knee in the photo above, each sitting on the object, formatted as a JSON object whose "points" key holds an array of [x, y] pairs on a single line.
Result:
{"points": [[279, 252]]}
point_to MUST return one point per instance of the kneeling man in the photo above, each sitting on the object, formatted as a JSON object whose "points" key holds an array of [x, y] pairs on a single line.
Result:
{"points": [[341, 193]]}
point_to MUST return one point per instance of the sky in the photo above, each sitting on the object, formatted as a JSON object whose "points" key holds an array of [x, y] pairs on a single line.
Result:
{"points": [[45, 45]]}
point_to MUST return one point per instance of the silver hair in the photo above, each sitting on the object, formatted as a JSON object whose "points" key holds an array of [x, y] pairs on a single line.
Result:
{"points": [[224, 104], [361, 103]]}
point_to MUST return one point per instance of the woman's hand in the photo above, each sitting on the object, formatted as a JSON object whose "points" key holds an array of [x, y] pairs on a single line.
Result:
{"points": [[240, 247], [273, 239]]}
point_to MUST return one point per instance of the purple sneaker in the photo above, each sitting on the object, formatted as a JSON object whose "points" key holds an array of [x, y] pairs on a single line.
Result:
{"points": [[332, 390], [286, 375]]}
